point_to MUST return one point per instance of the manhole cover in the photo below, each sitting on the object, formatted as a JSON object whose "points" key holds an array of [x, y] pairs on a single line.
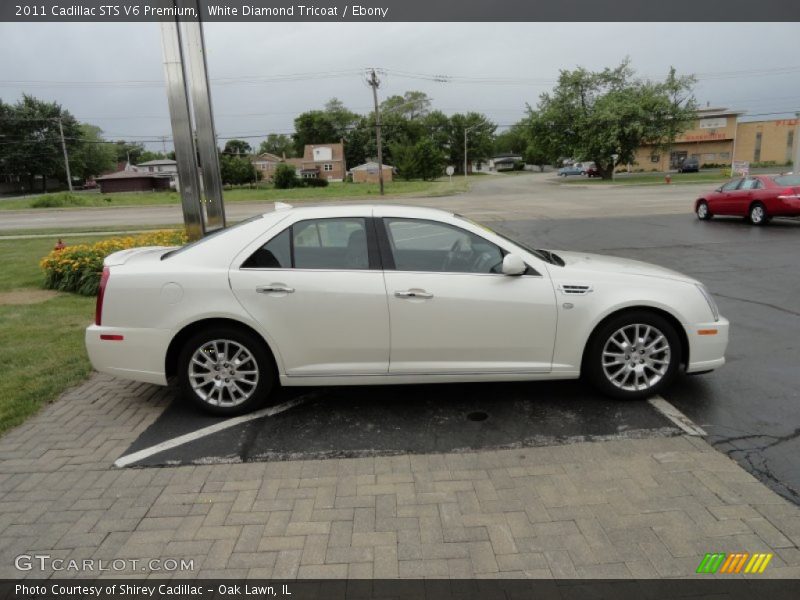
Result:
{"points": [[477, 416]]}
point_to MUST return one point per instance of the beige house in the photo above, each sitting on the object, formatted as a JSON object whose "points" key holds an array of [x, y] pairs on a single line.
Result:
{"points": [[368, 173], [718, 137], [266, 164]]}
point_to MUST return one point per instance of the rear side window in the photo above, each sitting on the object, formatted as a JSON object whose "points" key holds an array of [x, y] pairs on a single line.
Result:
{"points": [[315, 244], [731, 186]]}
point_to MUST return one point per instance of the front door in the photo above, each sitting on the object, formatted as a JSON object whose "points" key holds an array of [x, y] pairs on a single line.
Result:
{"points": [[319, 294], [453, 311]]}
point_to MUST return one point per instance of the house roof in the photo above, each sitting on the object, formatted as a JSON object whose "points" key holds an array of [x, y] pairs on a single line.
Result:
{"points": [[370, 165], [160, 161], [337, 151], [267, 156], [132, 175]]}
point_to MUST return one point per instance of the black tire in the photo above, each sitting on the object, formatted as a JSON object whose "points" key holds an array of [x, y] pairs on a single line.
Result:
{"points": [[222, 401], [702, 211], [595, 371], [757, 214]]}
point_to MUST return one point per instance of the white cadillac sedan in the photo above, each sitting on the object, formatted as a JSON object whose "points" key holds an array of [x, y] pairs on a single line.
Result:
{"points": [[348, 295]]}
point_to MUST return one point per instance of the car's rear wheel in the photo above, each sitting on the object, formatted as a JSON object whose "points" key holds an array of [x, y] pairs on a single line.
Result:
{"points": [[703, 212], [225, 371], [633, 356], [757, 214]]}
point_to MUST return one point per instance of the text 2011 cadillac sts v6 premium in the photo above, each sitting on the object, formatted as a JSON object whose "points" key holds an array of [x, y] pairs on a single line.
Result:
{"points": [[346, 295]]}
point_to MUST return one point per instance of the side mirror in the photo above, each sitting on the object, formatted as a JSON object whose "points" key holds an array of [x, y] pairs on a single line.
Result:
{"points": [[719, 189], [513, 265]]}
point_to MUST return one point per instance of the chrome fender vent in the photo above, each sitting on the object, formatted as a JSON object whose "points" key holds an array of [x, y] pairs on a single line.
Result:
{"points": [[573, 289]]}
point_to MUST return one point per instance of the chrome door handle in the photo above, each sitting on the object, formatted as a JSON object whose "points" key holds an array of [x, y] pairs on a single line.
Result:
{"points": [[413, 294], [268, 289]]}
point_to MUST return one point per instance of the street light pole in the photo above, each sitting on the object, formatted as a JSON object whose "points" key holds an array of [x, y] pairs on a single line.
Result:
{"points": [[466, 129]]}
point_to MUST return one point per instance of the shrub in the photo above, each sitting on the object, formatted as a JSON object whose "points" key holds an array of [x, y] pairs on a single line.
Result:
{"points": [[285, 177], [59, 200], [315, 182], [78, 268]]}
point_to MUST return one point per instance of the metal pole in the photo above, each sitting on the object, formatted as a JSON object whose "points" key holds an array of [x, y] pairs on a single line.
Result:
{"points": [[374, 83], [66, 156], [182, 134], [206, 140]]}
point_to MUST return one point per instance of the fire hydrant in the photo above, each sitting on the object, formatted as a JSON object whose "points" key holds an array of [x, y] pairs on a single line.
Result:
{"points": [[668, 179], [60, 245]]}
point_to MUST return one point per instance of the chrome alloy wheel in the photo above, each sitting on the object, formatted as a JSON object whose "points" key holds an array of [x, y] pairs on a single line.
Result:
{"points": [[757, 214], [702, 210], [223, 373], [636, 357]]}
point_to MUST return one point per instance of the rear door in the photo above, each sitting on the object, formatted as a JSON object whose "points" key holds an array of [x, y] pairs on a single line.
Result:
{"points": [[318, 291]]}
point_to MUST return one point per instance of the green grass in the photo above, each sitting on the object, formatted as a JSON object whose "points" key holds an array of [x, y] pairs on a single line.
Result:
{"points": [[41, 349], [653, 179], [41, 344], [266, 193]]}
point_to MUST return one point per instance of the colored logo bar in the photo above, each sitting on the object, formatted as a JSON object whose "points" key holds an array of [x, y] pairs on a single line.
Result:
{"points": [[737, 562]]}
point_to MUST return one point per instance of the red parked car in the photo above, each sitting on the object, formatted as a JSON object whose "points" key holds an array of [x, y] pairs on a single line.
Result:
{"points": [[757, 198]]}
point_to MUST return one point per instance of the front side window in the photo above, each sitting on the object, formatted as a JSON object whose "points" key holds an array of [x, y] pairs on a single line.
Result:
{"points": [[419, 245], [315, 244]]}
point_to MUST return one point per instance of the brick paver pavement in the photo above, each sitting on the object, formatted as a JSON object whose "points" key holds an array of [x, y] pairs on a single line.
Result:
{"points": [[628, 508]]}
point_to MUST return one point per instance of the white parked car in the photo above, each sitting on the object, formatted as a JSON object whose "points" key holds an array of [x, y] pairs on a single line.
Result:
{"points": [[347, 295]]}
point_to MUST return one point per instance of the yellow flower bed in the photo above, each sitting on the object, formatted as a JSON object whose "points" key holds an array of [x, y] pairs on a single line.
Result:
{"points": [[78, 268]]}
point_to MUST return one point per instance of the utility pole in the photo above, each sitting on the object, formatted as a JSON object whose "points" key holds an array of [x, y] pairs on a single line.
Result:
{"points": [[374, 83], [66, 156]]}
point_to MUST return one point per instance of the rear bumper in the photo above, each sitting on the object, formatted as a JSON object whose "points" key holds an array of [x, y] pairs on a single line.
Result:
{"points": [[706, 349], [139, 355]]}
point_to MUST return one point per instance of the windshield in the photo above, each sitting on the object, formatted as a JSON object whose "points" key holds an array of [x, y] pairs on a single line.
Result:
{"points": [[790, 180], [208, 236], [545, 255]]}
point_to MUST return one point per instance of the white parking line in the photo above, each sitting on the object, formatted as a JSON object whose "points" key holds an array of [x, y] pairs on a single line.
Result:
{"points": [[129, 459], [676, 416]]}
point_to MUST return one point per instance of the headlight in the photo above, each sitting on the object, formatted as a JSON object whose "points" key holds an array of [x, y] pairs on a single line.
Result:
{"points": [[710, 300]]}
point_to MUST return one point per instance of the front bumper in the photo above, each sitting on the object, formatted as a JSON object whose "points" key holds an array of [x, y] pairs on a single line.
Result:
{"points": [[707, 349], [137, 354]]}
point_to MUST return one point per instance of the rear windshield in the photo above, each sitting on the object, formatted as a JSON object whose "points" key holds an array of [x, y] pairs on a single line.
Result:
{"points": [[208, 236], [790, 180]]}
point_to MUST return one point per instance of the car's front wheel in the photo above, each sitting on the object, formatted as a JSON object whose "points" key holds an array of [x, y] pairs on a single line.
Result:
{"points": [[633, 356], [225, 371], [703, 213]]}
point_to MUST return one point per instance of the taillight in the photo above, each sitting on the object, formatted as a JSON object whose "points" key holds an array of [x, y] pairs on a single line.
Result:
{"points": [[789, 195], [101, 292]]}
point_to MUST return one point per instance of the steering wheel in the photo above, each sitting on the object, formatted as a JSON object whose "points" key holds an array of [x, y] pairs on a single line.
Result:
{"points": [[458, 246]]}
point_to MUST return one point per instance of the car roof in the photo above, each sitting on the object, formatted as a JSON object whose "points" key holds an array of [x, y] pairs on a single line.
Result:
{"points": [[334, 210]]}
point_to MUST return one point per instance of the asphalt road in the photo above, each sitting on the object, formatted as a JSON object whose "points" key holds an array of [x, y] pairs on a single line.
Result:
{"points": [[528, 196]]}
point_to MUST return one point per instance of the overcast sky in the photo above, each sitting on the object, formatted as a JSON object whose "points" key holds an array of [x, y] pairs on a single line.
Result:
{"points": [[83, 52]]}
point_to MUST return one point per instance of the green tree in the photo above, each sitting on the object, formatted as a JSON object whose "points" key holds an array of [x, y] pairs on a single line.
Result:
{"points": [[94, 156], [237, 147], [411, 105], [480, 138], [236, 170], [326, 126], [594, 115], [285, 177], [422, 160], [129, 151], [31, 143], [278, 144]]}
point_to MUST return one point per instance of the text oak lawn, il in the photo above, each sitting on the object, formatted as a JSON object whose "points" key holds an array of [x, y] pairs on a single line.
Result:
{"points": [[300, 10]]}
